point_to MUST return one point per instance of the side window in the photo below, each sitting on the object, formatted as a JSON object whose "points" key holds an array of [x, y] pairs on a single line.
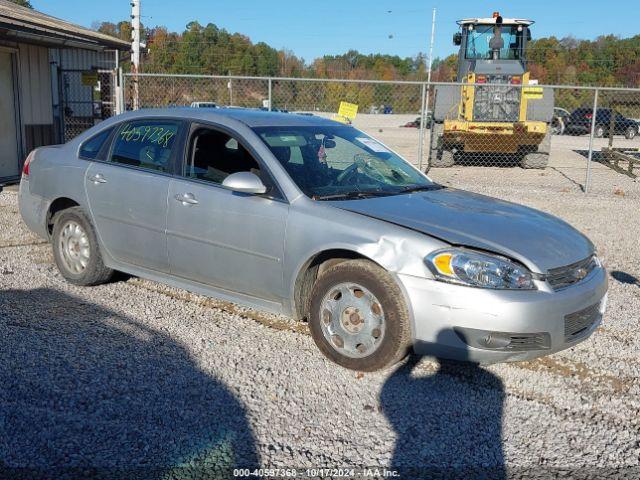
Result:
{"points": [[215, 155], [91, 148], [145, 144]]}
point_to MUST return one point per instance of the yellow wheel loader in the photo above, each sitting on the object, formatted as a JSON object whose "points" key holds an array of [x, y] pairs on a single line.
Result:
{"points": [[496, 111]]}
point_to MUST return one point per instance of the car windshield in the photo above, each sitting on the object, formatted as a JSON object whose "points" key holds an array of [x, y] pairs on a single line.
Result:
{"points": [[338, 162], [483, 39]]}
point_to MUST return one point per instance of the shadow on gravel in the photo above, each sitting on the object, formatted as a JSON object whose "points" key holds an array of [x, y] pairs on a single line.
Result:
{"points": [[624, 277], [448, 425], [88, 393]]}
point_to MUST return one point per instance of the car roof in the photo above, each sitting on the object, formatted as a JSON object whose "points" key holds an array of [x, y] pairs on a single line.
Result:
{"points": [[248, 116]]}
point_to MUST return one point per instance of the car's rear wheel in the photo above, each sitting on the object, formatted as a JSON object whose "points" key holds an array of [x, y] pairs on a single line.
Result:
{"points": [[75, 249], [359, 318], [599, 131], [630, 133]]}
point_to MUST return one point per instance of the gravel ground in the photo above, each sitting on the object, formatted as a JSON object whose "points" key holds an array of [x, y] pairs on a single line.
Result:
{"points": [[156, 381]]}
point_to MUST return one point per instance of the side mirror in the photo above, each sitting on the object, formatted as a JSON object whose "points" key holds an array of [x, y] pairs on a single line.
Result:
{"points": [[244, 182], [457, 39]]}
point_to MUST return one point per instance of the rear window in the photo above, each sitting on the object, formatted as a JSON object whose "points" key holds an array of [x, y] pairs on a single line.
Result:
{"points": [[92, 147]]}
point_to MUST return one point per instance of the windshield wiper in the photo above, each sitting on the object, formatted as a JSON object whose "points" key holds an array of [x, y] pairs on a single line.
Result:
{"points": [[421, 188], [353, 195]]}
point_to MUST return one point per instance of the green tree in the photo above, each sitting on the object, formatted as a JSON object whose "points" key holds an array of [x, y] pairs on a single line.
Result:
{"points": [[608, 60], [22, 3]]}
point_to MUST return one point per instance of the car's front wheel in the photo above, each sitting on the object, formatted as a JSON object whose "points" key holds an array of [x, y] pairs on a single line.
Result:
{"points": [[359, 318], [75, 249]]}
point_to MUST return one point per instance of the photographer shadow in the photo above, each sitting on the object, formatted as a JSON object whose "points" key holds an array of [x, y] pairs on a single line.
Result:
{"points": [[448, 425], [90, 393]]}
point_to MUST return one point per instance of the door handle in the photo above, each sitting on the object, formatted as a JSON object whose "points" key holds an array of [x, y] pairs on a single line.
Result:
{"points": [[97, 178], [186, 199]]}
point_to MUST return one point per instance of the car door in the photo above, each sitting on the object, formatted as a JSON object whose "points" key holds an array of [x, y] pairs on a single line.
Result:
{"points": [[127, 193], [221, 238], [621, 123]]}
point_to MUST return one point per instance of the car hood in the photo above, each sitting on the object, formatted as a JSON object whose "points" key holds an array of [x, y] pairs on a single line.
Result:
{"points": [[538, 240]]}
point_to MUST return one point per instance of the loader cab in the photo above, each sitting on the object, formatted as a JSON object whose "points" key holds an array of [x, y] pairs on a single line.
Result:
{"points": [[492, 45]]}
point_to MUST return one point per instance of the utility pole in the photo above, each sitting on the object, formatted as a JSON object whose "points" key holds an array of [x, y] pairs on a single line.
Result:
{"points": [[430, 59], [135, 50], [425, 107]]}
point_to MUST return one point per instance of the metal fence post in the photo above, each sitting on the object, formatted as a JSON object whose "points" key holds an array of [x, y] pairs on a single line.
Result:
{"points": [[587, 182], [270, 80], [422, 125], [120, 89]]}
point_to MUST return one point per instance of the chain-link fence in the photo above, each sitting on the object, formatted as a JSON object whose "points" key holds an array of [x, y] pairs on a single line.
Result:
{"points": [[495, 127], [87, 97]]}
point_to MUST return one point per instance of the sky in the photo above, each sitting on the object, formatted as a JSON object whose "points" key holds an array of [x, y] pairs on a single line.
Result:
{"points": [[312, 29]]}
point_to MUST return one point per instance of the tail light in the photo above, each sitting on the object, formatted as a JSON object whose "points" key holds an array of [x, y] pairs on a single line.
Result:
{"points": [[589, 116], [27, 162], [516, 80], [481, 79]]}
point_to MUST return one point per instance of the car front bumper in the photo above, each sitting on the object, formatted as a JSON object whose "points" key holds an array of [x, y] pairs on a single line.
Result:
{"points": [[490, 326]]}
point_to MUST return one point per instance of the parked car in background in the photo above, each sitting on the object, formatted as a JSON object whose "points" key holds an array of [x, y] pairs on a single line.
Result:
{"points": [[314, 219], [273, 109], [579, 123], [559, 120], [203, 105]]}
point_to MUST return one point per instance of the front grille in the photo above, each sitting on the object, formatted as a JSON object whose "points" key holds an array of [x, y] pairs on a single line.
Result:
{"points": [[497, 101], [579, 323], [529, 341], [568, 275]]}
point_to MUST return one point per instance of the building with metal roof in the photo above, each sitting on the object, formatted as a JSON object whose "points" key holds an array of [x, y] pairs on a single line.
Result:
{"points": [[56, 79]]}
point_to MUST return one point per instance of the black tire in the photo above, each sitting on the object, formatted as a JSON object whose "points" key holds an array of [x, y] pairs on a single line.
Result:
{"points": [[396, 341], [539, 159], [631, 132], [95, 272], [535, 160], [557, 126], [439, 156]]}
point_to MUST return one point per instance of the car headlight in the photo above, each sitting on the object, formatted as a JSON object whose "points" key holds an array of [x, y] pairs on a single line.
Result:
{"points": [[475, 269]]}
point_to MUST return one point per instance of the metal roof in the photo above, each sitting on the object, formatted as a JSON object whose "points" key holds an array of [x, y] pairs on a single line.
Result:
{"points": [[24, 24]]}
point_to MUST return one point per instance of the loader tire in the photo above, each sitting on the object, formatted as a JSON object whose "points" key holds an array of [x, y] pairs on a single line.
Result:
{"points": [[538, 159], [535, 160], [444, 159], [439, 157]]}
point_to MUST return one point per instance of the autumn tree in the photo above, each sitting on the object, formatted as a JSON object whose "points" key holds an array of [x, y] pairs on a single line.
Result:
{"points": [[22, 3]]}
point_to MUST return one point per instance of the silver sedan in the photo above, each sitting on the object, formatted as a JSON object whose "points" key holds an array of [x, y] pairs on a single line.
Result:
{"points": [[310, 218]]}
